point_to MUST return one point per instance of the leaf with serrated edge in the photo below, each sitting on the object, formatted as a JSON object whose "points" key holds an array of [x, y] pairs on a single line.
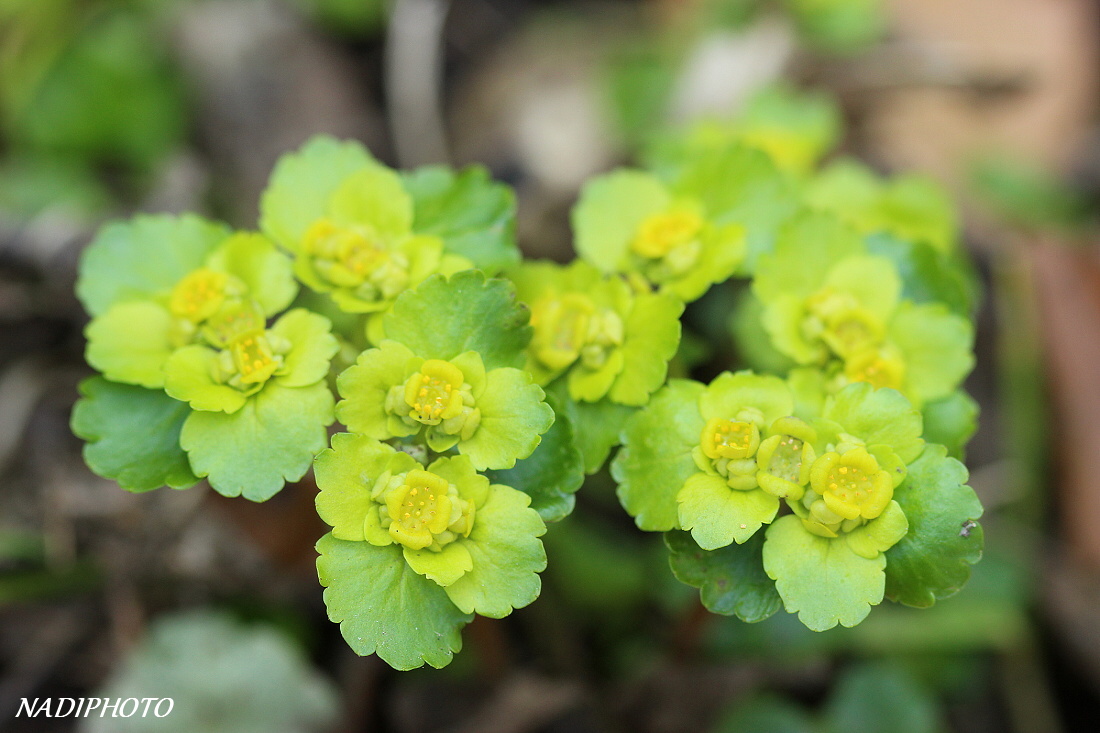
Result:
{"points": [[472, 214], [553, 473], [117, 265], [385, 608], [933, 560], [731, 580], [133, 435], [821, 579], [507, 556], [269, 441], [656, 460], [443, 318]]}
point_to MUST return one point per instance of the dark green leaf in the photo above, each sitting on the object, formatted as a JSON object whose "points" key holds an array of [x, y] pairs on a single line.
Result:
{"points": [[880, 698], [933, 560], [731, 580], [766, 714], [133, 435], [927, 275], [443, 318], [473, 215], [951, 422], [385, 608], [596, 425], [553, 473]]}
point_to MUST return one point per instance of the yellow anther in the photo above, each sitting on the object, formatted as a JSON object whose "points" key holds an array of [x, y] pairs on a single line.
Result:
{"points": [[659, 234], [719, 439], [434, 393]]}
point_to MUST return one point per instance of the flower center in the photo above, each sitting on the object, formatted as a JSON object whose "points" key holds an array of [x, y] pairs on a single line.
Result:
{"points": [[841, 322], [254, 358], [786, 461], [435, 392], [423, 510], [236, 319], [358, 259], [561, 325], [731, 439], [660, 234], [199, 295], [877, 367], [852, 485]]}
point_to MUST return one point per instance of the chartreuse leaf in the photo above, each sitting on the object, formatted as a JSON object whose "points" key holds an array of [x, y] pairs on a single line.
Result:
{"points": [[731, 579], [513, 416], [596, 425], [385, 608], [302, 183], [951, 421], [717, 515], [877, 416], [609, 212], [936, 346], [471, 213], [133, 435], [270, 440], [821, 579], [506, 553], [656, 458], [743, 186], [131, 342], [444, 317], [118, 264], [933, 560], [797, 267], [553, 473], [266, 272]]}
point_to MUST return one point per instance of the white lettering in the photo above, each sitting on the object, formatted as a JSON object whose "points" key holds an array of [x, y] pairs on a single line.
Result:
{"points": [[44, 706], [93, 703], [122, 710], [61, 703], [147, 700], [171, 704], [27, 705]]}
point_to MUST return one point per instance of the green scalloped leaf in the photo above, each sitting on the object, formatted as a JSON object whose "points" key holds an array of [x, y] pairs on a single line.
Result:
{"points": [[933, 560], [302, 184], [656, 459], [731, 580], [133, 435], [821, 579], [474, 215], [596, 425], [877, 416], [118, 265], [444, 317], [506, 554], [553, 473], [385, 608], [513, 416], [739, 185], [269, 441], [951, 422], [927, 275]]}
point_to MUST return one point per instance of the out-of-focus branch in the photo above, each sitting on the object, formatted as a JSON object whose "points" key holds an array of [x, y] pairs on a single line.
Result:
{"points": [[414, 81]]}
